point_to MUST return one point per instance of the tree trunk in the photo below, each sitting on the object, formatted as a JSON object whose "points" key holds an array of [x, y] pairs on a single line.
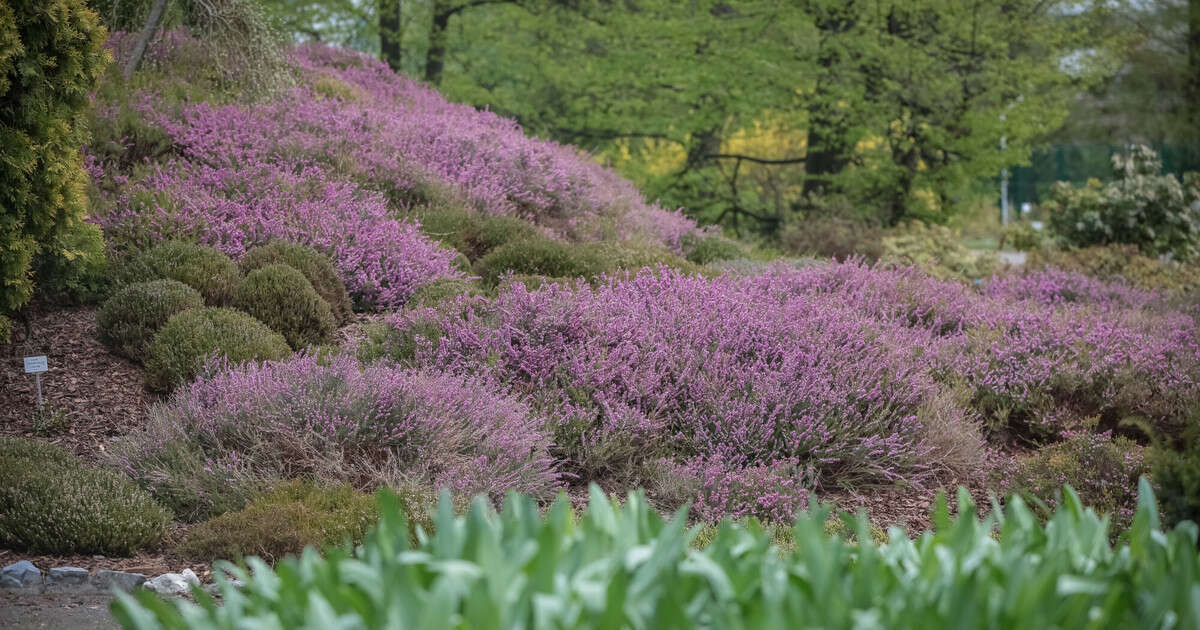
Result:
{"points": [[139, 48], [390, 33], [435, 58], [827, 151], [1193, 83]]}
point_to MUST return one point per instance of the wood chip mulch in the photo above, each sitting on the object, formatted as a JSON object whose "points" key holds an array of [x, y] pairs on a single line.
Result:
{"points": [[101, 394]]}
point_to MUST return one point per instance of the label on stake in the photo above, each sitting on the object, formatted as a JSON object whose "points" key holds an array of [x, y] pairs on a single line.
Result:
{"points": [[34, 365]]}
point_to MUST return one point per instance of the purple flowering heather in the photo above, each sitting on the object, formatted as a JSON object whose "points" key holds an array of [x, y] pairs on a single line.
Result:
{"points": [[374, 425], [318, 163]]}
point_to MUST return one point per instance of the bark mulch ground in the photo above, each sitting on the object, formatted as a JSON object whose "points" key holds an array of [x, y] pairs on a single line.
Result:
{"points": [[91, 395]]}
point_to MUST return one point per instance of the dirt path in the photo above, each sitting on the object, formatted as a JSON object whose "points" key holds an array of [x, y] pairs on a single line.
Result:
{"points": [[56, 612]]}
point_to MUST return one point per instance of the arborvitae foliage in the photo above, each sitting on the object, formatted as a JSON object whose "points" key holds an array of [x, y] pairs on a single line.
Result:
{"points": [[50, 58]]}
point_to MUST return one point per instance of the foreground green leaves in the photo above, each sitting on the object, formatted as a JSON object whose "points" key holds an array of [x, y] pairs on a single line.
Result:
{"points": [[624, 567]]}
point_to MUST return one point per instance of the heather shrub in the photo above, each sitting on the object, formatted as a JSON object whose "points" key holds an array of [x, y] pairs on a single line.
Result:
{"points": [[282, 521], [205, 269], [1103, 469], [179, 474], [839, 239], [799, 380], [1157, 213], [1120, 262], [316, 267], [283, 299], [72, 267], [705, 250], [128, 320], [383, 341], [50, 502], [622, 565], [180, 349], [442, 290], [339, 422], [935, 249]]}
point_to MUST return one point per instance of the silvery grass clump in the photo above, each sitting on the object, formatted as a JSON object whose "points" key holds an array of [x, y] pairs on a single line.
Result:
{"points": [[623, 566]]}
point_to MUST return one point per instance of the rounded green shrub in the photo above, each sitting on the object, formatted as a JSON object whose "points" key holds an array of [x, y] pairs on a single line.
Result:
{"points": [[50, 502], [315, 266], [280, 297], [473, 234], [180, 349], [442, 289], [128, 320], [284, 521], [703, 251], [205, 269], [531, 256], [546, 257]]}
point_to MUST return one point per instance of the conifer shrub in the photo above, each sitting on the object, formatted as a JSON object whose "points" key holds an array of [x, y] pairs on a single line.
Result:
{"points": [[180, 349], [205, 269], [284, 520], [73, 267], [51, 56], [281, 297], [50, 502], [317, 269], [128, 320]]}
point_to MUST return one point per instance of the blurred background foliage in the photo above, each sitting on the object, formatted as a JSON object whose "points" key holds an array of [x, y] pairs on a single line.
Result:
{"points": [[759, 115]]}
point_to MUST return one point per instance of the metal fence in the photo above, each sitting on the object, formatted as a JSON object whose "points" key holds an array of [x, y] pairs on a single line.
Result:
{"points": [[1077, 163]]}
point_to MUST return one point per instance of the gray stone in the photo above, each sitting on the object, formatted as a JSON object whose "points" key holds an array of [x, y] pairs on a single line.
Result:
{"points": [[107, 580], [173, 583], [68, 577], [20, 575]]}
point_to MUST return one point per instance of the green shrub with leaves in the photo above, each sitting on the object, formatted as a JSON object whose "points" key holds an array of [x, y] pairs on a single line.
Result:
{"points": [[51, 502], [282, 298], [282, 521], [205, 269], [705, 250], [183, 345], [128, 320], [51, 55], [317, 269], [623, 566], [1157, 213], [1022, 237], [937, 249], [1103, 469]]}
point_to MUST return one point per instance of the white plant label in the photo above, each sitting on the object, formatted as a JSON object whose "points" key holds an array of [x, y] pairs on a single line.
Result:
{"points": [[35, 364]]}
